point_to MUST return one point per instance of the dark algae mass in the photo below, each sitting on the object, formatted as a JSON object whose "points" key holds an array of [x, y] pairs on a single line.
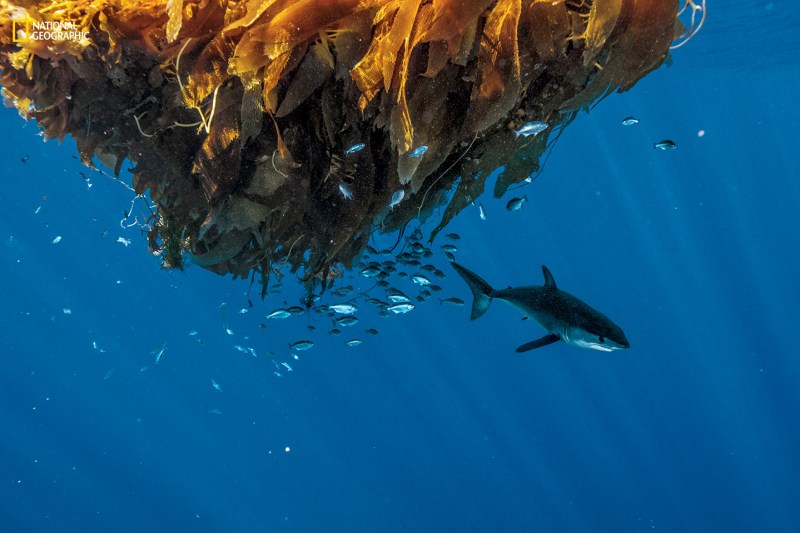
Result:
{"points": [[287, 132]]}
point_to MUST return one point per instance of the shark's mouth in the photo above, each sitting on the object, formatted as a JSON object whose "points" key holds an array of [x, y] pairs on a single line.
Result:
{"points": [[576, 339]]}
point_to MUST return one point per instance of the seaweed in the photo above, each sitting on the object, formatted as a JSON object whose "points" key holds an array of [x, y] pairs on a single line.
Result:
{"points": [[236, 117]]}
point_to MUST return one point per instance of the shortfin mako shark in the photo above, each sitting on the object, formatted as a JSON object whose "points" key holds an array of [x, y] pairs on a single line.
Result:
{"points": [[565, 317]]}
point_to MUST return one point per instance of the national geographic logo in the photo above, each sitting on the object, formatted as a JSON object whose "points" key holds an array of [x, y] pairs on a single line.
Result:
{"points": [[27, 30]]}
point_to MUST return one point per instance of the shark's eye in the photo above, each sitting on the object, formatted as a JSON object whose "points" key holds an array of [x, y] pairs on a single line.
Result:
{"points": [[602, 339]]}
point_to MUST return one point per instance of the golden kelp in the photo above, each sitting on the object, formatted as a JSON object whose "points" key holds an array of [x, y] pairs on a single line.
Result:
{"points": [[237, 116]]}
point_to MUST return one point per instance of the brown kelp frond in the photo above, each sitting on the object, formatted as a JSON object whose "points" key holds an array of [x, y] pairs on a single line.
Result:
{"points": [[275, 134]]}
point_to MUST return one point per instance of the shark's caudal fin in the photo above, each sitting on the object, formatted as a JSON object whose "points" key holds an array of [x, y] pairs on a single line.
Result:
{"points": [[481, 290]]}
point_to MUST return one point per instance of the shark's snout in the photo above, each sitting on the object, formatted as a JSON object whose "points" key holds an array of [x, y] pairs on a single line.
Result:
{"points": [[615, 338]]}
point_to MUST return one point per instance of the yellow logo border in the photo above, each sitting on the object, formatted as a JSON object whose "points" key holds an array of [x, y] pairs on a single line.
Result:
{"points": [[15, 27]]}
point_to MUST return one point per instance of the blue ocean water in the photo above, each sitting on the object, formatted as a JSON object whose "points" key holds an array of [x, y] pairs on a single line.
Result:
{"points": [[435, 424]]}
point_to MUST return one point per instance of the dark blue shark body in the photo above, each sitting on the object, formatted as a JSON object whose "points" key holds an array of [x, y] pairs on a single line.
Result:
{"points": [[565, 317]]}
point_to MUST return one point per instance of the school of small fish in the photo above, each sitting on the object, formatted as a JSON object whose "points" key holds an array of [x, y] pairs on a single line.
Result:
{"points": [[411, 265]]}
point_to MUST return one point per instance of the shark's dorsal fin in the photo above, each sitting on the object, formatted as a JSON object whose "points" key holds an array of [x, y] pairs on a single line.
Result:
{"points": [[549, 282]]}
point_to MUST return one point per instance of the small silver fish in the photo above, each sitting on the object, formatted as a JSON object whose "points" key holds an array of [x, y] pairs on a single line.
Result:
{"points": [[418, 151], [353, 342], [348, 320], [279, 313], [419, 279], [346, 192], [355, 148], [301, 345], [400, 308], [398, 298], [481, 211], [665, 145], [344, 309], [449, 248], [397, 197], [630, 121], [160, 352], [370, 272], [515, 204], [534, 127], [454, 301], [341, 293]]}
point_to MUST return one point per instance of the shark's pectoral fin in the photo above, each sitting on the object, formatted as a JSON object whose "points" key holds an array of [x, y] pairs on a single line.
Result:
{"points": [[538, 343]]}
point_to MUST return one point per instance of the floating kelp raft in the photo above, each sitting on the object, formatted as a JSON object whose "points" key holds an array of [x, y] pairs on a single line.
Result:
{"points": [[278, 132]]}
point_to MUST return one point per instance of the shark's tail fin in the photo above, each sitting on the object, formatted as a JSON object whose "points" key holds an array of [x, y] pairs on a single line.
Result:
{"points": [[481, 290]]}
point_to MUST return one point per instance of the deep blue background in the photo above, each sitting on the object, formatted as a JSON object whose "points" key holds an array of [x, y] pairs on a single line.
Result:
{"points": [[435, 424]]}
